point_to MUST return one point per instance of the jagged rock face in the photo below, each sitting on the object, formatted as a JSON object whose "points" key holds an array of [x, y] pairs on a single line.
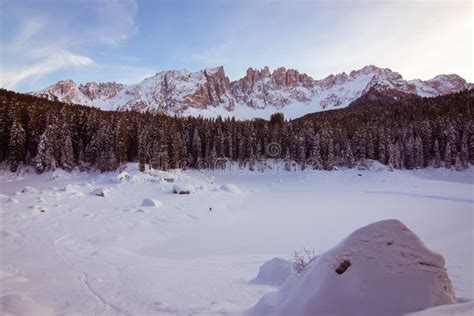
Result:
{"points": [[258, 94], [68, 91], [64, 90], [170, 92], [260, 88], [174, 91], [94, 90], [441, 84], [215, 90]]}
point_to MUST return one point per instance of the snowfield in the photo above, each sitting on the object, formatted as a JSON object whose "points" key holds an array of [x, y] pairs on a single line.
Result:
{"points": [[140, 249]]}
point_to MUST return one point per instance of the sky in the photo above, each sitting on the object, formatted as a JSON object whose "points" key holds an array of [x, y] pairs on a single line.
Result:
{"points": [[44, 41]]}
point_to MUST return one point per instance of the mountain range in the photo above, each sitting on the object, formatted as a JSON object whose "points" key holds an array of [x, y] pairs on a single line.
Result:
{"points": [[210, 93]]}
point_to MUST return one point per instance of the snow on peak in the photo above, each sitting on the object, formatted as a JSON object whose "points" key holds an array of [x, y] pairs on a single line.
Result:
{"points": [[382, 268], [259, 93]]}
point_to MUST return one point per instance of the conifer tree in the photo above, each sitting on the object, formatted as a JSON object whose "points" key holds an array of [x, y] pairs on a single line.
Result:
{"points": [[121, 142], [330, 156], [17, 144], [437, 155], [197, 146], [142, 151], [458, 165], [44, 160], [349, 157], [448, 156], [67, 155], [315, 154]]}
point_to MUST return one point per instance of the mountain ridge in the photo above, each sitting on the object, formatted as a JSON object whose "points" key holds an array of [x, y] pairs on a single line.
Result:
{"points": [[260, 93]]}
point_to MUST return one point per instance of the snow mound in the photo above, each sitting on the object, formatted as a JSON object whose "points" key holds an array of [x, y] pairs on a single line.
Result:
{"points": [[183, 188], [12, 200], [122, 176], [382, 268], [151, 203], [274, 272], [103, 192], [29, 189], [230, 188], [70, 188], [38, 208]]}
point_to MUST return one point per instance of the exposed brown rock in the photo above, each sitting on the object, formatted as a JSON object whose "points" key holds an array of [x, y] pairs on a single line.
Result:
{"points": [[176, 91]]}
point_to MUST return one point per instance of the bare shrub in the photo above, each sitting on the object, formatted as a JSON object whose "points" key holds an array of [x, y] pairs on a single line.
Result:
{"points": [[301, 259]]}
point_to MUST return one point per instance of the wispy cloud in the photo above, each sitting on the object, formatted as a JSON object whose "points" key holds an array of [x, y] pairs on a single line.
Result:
{"points": [[59, 60], [43, 41]]}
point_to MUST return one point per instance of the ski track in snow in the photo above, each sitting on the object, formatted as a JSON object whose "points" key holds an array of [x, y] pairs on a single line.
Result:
{"points": [[446, 198], [84, 278], [109, 255]]}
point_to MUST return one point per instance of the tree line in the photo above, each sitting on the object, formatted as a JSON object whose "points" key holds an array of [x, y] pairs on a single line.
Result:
{"points": [[415, 133]]}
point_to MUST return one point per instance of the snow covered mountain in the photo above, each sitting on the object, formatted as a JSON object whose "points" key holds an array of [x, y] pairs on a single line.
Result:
{"points": [[260, 93]]}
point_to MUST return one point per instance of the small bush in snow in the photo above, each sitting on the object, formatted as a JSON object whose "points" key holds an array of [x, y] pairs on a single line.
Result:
{"points": [[302, 259]]}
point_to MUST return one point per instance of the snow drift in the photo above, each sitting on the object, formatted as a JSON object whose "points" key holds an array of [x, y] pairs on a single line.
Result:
{"points": [[273, 272], [382, 268], [151, 202], [227, 187]]}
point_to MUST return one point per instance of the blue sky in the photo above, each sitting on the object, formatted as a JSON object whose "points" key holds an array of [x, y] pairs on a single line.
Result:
{"points": [[43, 41]]}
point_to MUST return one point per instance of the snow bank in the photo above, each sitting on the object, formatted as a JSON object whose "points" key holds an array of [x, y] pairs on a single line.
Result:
{"points": [[151, 203], [463, 309], [101, 192], [183, 188], [274, 272], [382, 268], [230, 188]]}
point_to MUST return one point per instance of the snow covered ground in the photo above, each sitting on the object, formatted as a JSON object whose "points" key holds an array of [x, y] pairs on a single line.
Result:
{"points": [[66, 250]]}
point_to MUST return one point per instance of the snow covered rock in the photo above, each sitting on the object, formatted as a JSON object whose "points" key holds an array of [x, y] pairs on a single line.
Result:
{"points": [[28, 189], [273, 272], [103, 192], [38, 208], [123, 176], [151, 203], [183, 188], [168, 177], [382, 268], [230, 188]]}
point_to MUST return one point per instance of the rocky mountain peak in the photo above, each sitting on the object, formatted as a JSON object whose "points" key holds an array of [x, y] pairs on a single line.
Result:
{"points": [[259, 93]]}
